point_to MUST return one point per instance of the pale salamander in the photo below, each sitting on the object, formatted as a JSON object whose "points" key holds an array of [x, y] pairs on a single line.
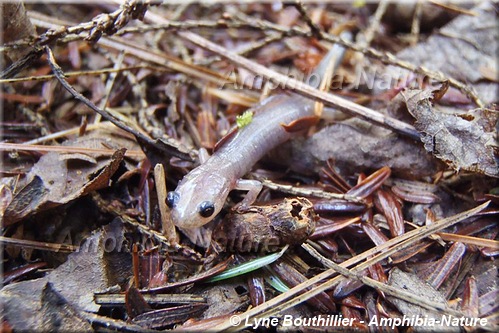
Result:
{"points": [[201, 194]]}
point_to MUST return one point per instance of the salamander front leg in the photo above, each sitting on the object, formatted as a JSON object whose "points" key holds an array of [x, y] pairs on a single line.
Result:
{"points": [[253, 187]]}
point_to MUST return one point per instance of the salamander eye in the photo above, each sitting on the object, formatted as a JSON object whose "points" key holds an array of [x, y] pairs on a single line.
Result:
{"points": [[172, 199], [206, 208]]}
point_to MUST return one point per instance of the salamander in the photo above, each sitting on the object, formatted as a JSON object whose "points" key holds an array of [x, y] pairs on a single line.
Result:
{"points": [[201, 194]]}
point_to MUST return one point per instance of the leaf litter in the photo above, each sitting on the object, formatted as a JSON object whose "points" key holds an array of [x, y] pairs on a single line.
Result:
{"points": [[467, 142], [406, 185]]}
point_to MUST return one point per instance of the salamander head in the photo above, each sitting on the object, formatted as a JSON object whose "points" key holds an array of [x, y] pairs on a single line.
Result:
{"points": [[197, 199]]}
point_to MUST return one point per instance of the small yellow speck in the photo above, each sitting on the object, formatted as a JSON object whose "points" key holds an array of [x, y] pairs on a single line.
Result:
{"points": [[245, 119], [359, 3]]}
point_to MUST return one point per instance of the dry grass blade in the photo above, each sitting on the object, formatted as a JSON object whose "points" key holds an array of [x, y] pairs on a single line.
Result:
{"points": [[389, 290], [285, 300]]}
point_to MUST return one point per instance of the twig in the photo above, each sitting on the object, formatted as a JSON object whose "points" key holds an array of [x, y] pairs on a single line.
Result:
{"points": [[260, 43], [375, 23], [384, 57], [416, 23], [165, 147], [308, 192], [453, 8], [159, 299], [71, 131], [304, 89], [103, 23], [166, 222], [74, 74], [111, 79], [75, 33], [65, 149], [44, 246], [316, 31]]}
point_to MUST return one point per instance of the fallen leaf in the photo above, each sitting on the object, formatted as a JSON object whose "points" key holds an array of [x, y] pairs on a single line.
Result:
{"points": [[57, 179], [100, 263], [461, 143], [36, 305], [223, 299]]}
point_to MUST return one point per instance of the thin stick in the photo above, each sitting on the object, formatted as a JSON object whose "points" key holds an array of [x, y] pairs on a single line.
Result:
{"points": [[304, 89], [375, 23], [308, 192], [63, 133], [44, 246], [398, 243], [316, 31], [164, 147], [71, 74]]}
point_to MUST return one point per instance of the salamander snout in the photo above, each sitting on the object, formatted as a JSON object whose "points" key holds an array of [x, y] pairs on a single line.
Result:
{"points": [[186, 213], [198, 198]]}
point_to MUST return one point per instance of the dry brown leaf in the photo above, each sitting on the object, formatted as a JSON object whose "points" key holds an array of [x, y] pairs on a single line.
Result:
{"points": [[223, 298], [466, 144], [59, 178], [36, 305], [100, 263]]}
